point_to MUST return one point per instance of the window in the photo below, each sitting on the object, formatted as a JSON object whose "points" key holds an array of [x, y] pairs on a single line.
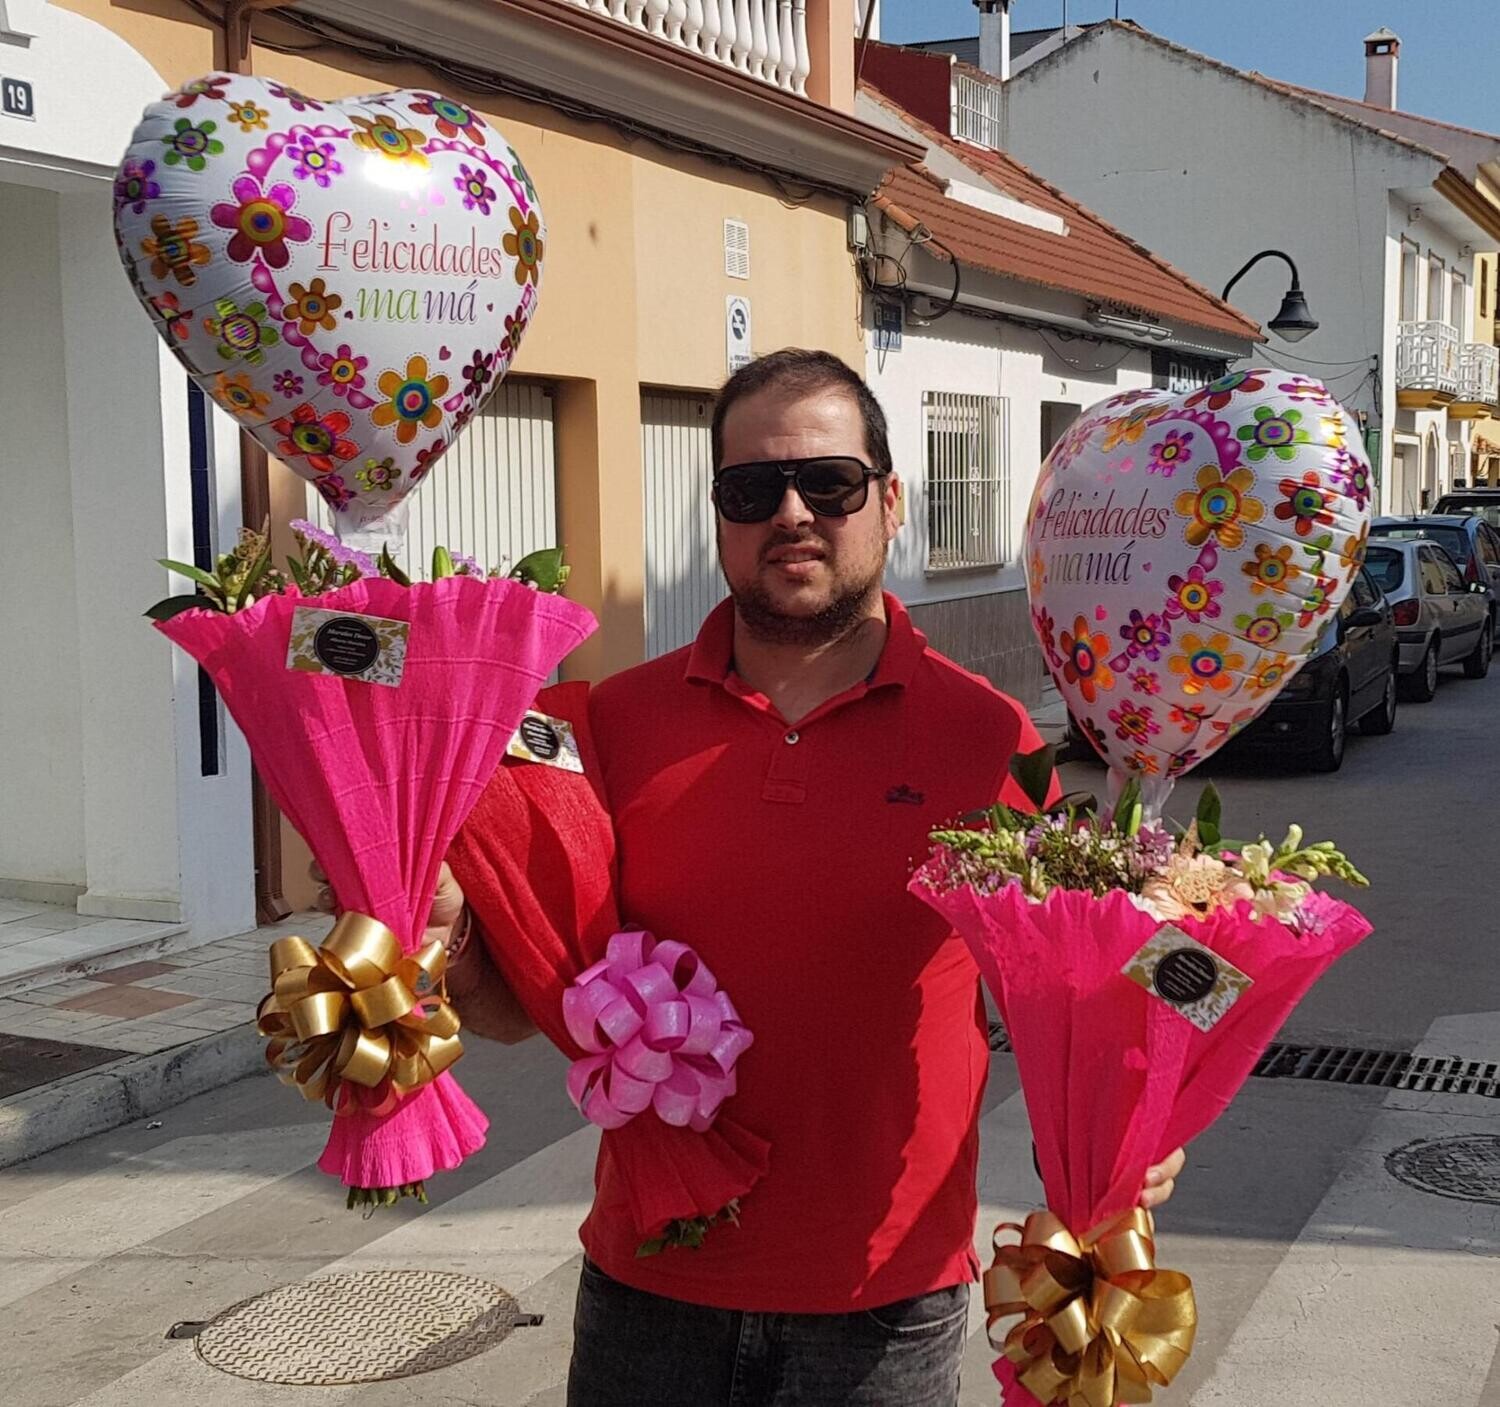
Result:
{"points": [[1057, 416], [1364, 593], [1409, 256], [1489, 547], [1432, 574], [1436, 280], [1453, 582], [968, 480], [1458, 301], [1386, 566]]}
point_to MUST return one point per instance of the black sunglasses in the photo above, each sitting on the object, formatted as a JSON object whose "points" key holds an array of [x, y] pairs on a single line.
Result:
{"points": [[830, 485]]}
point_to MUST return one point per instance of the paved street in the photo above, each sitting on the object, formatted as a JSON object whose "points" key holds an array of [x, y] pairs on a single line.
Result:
{"points": [[1321, 1278]]}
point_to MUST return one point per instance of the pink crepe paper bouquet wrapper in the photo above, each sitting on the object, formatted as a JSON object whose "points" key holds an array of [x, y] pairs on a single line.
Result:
{"points": [[659, 1033], [1114, 1077], [378, 780]]}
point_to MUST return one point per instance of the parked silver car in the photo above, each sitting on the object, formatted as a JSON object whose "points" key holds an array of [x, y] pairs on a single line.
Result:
{"points": [[1440, 619]]}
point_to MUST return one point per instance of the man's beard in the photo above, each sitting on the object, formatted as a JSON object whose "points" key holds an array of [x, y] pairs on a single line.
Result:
{"points": [[758, 611]]}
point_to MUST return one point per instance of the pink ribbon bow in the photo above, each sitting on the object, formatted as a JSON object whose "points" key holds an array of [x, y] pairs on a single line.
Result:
{"points": [[659, 1032]]}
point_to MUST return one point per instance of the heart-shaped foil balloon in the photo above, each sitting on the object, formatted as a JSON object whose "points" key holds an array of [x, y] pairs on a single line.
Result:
{"points": [[1184, 552], [349, 280]]}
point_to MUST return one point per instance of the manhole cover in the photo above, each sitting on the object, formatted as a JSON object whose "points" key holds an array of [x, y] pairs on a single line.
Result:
{"points": [[1467, 1169], [361, 1328]]}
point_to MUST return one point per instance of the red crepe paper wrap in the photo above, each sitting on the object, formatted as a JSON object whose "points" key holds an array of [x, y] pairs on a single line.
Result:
{"points": [[1115, 1078], [536, 861], [377, 780]]}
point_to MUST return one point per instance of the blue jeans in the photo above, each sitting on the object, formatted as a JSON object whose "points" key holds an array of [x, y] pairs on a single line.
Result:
{"points": [[633, 1349]]}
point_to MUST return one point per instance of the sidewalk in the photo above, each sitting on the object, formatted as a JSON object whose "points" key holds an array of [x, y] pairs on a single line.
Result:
{"points": [[80, 1055]]}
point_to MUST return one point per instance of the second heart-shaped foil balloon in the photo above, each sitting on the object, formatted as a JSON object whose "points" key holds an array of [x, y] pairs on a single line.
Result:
{"points": [[349, 280], [1183, 555]]}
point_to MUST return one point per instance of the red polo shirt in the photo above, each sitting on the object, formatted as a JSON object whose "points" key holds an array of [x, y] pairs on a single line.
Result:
{"points": [[782, 855]]}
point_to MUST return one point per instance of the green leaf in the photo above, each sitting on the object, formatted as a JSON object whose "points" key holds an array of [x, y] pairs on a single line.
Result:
{"points": [[1084, 801], [543, 568], [442, 563], [193, 573], [1033, 772], [299, 574], [252, 579], [388, 568], [1210, 806], [176, 605]]}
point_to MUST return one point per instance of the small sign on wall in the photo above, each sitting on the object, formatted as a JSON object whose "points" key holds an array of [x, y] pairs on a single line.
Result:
{"points": [[737, 334], [888, 326], [16, 99]]}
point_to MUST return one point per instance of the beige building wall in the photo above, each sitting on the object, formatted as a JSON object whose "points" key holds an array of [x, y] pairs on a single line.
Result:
{"points": [[1484, 465], [633, 292]]}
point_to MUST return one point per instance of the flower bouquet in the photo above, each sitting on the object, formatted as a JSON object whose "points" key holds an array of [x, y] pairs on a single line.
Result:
{"points": [[376, 710], [653, 1042], [1140, 972]]}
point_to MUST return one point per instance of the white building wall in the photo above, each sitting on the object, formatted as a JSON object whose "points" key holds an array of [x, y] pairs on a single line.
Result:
{"points": [[100, 776], [1208, 169], [41, 773], [978, 356]]}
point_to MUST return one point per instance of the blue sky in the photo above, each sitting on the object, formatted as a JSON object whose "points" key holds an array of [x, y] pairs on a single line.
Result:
{"points": [[1448, 47]]}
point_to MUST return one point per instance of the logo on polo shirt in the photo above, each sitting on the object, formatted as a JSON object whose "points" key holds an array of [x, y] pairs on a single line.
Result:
{"points": [[904, 796]]}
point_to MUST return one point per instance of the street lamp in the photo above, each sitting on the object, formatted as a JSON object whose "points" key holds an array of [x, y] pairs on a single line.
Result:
{"points": [[1294, 321]]}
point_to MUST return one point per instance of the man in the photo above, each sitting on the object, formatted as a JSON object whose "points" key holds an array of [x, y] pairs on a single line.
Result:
{"points": [[771, 786]]}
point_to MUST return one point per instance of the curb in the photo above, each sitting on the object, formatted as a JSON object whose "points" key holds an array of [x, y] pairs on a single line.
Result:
{"points": [[94, 1101]]}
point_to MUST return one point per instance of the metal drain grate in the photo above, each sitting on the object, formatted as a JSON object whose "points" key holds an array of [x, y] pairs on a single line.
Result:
{"points": [[1350, 1065], [1466, 1169], [359, 1328], [1386, 1069]]}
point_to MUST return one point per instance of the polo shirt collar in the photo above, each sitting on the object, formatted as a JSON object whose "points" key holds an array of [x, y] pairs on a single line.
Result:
{"points": [[712, 651]]}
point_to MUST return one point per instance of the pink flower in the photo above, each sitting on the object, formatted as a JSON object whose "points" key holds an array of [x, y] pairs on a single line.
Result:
{"points": [[342, 370], [262, 222]]}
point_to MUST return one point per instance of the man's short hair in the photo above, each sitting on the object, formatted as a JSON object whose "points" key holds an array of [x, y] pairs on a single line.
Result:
{"points": [[799, 371]]}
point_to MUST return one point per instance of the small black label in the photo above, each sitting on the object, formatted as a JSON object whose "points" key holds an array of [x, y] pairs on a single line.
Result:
{"points": [[541, 737], [1185, 976], [16, 99], [347, 645]]}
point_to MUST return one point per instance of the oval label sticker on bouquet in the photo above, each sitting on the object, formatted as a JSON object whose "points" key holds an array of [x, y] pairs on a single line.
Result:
{"points": [[370, 649], [549, 741], [1189, 977]]}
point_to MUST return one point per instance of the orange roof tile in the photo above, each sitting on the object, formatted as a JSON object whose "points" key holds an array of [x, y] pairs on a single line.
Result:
{"points": [[1092, 259]]}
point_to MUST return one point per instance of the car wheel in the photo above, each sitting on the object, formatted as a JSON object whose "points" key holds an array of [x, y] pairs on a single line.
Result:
{"points": [[1478, 663], [1382, 718], [1422, 685], [1328, 752]]}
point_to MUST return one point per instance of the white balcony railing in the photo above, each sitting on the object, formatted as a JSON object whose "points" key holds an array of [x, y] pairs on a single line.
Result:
{"points": [[765, 39], [976, 111], [1479, 374], [1427, 358]]}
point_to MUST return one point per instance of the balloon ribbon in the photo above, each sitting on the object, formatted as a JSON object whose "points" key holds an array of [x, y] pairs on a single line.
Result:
{"points": [[358, 1012], [1100, 1325]]}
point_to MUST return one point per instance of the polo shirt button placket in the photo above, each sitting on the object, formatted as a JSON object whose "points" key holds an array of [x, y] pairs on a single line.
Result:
{"points": [[786, 777]]}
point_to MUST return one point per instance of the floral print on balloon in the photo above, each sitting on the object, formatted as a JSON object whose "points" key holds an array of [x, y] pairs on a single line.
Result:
{"points": [[349, 280], [1197, 589]]}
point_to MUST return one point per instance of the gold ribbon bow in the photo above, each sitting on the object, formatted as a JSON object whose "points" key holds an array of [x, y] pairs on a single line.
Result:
{"points": [[357, 1010], [1101, 1324]]}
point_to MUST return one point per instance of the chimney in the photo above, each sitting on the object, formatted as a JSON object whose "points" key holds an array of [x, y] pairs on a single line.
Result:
{"points": [[994, 37], [1381, 51]]}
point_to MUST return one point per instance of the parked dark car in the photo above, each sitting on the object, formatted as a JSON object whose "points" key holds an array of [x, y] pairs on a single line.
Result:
{"points": [[1466, 537], [1350, 678], [1440, 618], [1482, 502]]}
